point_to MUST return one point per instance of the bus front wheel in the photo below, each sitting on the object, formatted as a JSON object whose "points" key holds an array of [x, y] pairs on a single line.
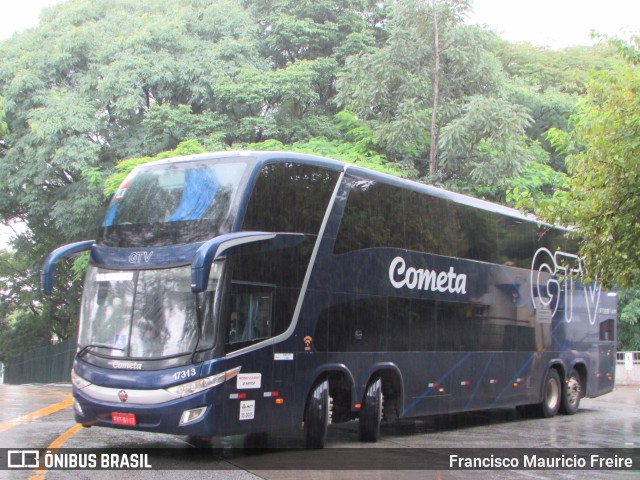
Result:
{"points": [[371, 412], [552, 395], [317, 415], [571, 393]]}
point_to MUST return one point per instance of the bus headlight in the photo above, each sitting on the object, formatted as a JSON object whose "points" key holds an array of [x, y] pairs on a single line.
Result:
{"points": [[191, 388]]}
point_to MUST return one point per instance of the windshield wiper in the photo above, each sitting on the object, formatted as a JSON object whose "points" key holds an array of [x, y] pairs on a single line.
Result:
{"points": [[86, 348], [199, 315]]}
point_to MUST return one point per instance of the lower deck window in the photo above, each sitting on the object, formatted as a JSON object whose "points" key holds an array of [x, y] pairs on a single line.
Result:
{"points": [[250, 313]]}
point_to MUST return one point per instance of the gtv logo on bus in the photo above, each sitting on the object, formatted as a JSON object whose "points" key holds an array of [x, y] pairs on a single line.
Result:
{"points": [[139, 257], [553, 273]]}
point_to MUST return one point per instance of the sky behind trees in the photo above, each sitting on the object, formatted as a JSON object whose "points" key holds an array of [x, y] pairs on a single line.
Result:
{"points": [[552, 23], [557, 23]]}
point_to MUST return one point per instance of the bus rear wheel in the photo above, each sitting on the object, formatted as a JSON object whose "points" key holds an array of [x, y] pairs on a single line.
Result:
{"points": [[317, 415], [371, 412], [552, 395], [571, 394]]}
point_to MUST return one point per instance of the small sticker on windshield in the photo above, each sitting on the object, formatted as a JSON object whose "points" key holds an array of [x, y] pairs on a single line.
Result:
{"points": [[120, 342], [114, 277]]}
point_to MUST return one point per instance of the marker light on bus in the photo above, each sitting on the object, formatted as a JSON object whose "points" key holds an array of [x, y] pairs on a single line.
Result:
{"points": [[78, 408], [191, 388]]}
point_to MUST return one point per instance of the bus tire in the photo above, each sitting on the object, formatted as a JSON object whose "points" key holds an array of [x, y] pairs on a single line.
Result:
{"points": [[572, 392], [316, 415], [371, 412], [551, 395]]}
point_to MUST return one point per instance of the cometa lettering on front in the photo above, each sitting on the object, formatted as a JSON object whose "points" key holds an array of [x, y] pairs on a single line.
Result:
{"points": [[424, 279]]}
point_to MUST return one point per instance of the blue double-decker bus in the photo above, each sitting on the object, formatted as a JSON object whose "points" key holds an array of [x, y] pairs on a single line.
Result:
{"points": [[248, 292]]}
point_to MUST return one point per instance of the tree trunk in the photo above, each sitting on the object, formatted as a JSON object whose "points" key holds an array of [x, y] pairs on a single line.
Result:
{"points": [[433, 147]]}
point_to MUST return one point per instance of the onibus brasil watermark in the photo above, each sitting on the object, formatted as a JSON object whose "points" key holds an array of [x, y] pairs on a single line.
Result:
{"points": [[35, 459]]}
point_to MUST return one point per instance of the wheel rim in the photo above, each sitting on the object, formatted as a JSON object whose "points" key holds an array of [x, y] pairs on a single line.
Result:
{"points": [[377, 400], [574, 391], [552, 394]]}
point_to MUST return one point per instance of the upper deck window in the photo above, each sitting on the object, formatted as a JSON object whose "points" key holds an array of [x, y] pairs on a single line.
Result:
{"points": [[290, 197], [173, 203], [379, 215]]}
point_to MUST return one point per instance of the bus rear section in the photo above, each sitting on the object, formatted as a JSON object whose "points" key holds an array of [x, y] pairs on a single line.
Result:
{"points": [[426, 302]]}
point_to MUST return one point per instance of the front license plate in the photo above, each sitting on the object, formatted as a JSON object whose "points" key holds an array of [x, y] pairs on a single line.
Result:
{"points": [[124, 419]]}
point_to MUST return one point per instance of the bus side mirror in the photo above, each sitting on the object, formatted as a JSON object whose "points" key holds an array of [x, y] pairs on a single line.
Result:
{"points": [[210, 251], [215, 248], [49, 265]]}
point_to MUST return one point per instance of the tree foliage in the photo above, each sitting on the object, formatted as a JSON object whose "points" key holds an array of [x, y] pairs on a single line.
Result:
{"points": [[101, 86], [357, 146], [392, 88], [601, 197], [4, 129], [548, 84], [629, 324]]}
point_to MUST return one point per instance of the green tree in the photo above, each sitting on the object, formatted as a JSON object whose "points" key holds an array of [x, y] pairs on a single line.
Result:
{"points": [[548, 109], [304, 45], [4, 129], [22, 323], [295, 30], [89, 86], [629, 324], [602, 194], [545, 70], [537, 182], [548, 82], [395, 88], [355, 145], [101, 81]]}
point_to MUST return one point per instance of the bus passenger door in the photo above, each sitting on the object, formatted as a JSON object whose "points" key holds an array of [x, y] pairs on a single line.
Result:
{"points": [[250, 318], [606, 357]]}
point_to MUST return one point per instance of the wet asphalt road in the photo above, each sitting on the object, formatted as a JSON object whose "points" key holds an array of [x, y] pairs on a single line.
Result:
{"points": [[40, 417]]}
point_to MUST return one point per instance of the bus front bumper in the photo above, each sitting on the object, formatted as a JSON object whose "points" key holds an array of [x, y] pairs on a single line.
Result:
{"points": [[195, 415]]}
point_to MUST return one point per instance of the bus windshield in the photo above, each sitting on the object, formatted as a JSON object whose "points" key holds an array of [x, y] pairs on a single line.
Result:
{"points": [[146, 314], [168, 204]]}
